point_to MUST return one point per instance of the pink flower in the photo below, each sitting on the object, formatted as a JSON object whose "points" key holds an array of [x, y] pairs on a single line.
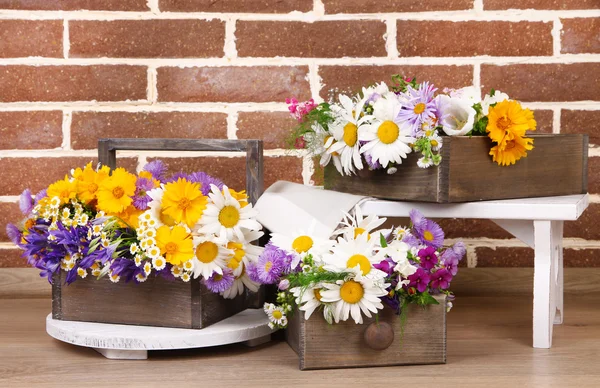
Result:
{"points": [[300, 109], [300, 143]]}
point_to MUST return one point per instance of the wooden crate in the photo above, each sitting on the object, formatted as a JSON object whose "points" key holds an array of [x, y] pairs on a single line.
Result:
{"points": [[320, 345], [156, 302], [556, 166]]}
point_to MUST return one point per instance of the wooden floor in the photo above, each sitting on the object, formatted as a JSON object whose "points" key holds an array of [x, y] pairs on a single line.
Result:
{"points": [[489, 345]]}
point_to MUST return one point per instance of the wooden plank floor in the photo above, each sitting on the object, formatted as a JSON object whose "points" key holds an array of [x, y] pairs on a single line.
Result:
{"points": [[489, 345]]}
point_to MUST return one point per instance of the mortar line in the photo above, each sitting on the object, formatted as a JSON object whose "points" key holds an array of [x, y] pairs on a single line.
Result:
{"points": [[67, 120]]}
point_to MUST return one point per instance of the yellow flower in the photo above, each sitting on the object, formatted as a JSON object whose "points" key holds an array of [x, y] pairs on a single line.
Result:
{"points": [[508, 120], [130, 216], [241, 196], [115, 192], [148, 175], [183, 202], [175, 244], [63, 189], [88, 181], [513, 150]]}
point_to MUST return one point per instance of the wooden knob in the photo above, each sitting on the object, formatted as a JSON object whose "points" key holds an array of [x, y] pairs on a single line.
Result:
{"points": [[379, 336]]}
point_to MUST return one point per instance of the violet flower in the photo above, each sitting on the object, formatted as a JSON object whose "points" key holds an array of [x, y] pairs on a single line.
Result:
{"points": [[441, 279], [141, 197], [272, 263], [26, 203], [372, 165], [39, 196], [429, 232], [387, 265], [419, 280], [219, 282], [429, 258], [157, 168], [13, 233], [205, 181]]}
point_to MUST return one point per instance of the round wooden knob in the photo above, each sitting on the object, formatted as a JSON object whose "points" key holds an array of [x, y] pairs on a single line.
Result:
{"points": [[379, 336]]}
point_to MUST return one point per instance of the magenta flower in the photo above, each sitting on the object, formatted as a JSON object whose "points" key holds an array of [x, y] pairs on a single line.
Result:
{"points": [[441, 279], [429, 258], [300, 109], [419, 280], [387, 265], [219, 283]]}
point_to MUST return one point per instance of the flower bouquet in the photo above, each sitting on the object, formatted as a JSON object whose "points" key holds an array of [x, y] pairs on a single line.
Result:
{"points": [[407, 128], [388, 282], [181, 242]]}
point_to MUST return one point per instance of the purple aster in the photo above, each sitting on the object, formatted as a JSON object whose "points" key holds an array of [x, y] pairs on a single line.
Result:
{"points": [[419, 280], [419, 106], [429, 232], [411, 240], [13, 233], [372, 165], [178, 175], [459, 249], [441, 279], [40, 195], [272, 263], [157, 168], [428, 257], [141, 197], [219, 283], [205, 181], [26, 202]]}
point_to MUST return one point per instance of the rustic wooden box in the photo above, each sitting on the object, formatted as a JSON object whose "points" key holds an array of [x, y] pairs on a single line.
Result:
{"points": [[320, 345], [156, 302], [556, 166]]}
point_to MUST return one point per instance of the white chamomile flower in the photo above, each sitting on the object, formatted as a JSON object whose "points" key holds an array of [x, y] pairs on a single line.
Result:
{"points": [[188, 265], [349, 118], [302, 243], [140, 277], [244, 253], [225, 217], [55, 202], [353, 226], [83, 219], [352, 296], [277, 316], [388, 140], [436, 142], [424, 162], [185, 277], [134, 248], [267, 307], [82, 272], [153, 252], [239, 282], [148, 242], [159, 263], [176, 270], [150, 233], [308, 299], [322, 141], [354, 255], [210, 256], [138, 260], [147, 268], [114, 278]]}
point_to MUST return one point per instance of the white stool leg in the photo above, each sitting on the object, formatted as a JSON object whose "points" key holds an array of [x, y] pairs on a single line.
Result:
{"points": [[557, 254], [117, 354], [548, 250]]}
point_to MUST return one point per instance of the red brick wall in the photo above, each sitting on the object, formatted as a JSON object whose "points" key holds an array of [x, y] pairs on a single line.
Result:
{"points": [[73, 71]]}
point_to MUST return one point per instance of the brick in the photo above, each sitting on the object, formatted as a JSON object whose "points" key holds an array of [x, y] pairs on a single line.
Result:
{"points": [[9, 213], [581, 121], [245, 6], [580, 36], [30, 130], [544, 120], [504, 257], [17, 174], [350, 79], [374, 6], [88, 127], [356, 38], [233, 84], [147, 38], [318, 176], [581, 258], [544, 82], [72, 83], [271, 127], [586, 227], [594, 175], [233, 170], [11, 258], [31, 38], [422, 38], [461, 228], [72, 5], [541, 4]]}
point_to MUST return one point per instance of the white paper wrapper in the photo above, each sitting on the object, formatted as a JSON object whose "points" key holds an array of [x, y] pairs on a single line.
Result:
{"points": [[287, 207]]}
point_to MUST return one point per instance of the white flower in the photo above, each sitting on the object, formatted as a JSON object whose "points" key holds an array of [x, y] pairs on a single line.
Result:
{"points": [[225, 217], [185, 277], [147, 268], [138, 260], [244, 253], [436, 142], [210, 256], [268, 307], [153, 252], [302, 243], [354, 255], [159, 263], [490, 100], [141, 277], [176, 271], [392, 170], [114, 278], [277, 316], [388, 140], [459, 115], [353, 296], [82, 272], [356, 225], [321, 141], [239, 283], [308, 299], [424, 162], [375, 92], [470, 94], [345, 129], [133, 249]]}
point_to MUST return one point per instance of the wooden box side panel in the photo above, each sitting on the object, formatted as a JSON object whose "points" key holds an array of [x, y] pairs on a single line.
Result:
{"points": [[209, 308], [342, 345], [409, 182], [556, 166]]}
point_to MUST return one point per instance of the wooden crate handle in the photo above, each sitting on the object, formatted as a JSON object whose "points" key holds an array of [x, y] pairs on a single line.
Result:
{"points": [[379, 335]]}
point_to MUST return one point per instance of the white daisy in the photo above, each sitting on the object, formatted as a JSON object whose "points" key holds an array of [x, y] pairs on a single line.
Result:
{"points": [[277, 316], [352, 296], [134, 248], [159, 263], [354, 255], [357, 224], [490, 100], [185, 277], [345, 129], [188, 266], [114, 278], [82, 272], [157, 218], [424, 162], [177, 271], [210, 256], [244, 253], [302, 243], [153, 252], [138, 260], [237, 288], [308, 299], [436, 142], [140, 277], [321, 141], [388, 140], [225, 217]]}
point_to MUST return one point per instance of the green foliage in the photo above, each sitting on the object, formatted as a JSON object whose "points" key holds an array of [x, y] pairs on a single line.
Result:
{"points": [[492, 92], [399, 83], [306, 279], [321, 114], [382, 241]]}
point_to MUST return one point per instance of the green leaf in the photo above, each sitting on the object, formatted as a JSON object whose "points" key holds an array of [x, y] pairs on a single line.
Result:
{"points": [[382, 241], [427, 299], [492, 92]]}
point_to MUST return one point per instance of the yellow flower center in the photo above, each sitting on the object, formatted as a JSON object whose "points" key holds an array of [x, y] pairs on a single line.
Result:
{"points": [[503, 123], [64, 194], [159, 262], [277, 314], [350, 134], [388, 132], [510, 145], [184, 203], [92, 187], [317, 292], [358, 232], [427, 235], [207, 252], [434, 143], [268, 266], [362, 261], [118, 192], [171, 248], [419, 108], [352, 292], [217, 277], [302, 244], [229, 216]]}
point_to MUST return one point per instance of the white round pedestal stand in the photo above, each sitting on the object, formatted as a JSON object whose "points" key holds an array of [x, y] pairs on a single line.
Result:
{"points": [[129, 342]]}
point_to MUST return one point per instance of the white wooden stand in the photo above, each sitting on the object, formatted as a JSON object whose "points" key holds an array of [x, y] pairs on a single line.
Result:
{"points": [[538, 222], [127, 342]]}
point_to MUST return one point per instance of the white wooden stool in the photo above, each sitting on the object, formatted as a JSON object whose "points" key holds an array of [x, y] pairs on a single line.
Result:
{"points": [[538, 222]]}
